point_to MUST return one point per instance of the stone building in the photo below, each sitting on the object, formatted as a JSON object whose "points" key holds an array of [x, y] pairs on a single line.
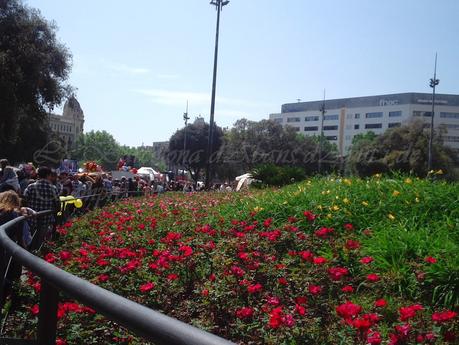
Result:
{"points": [[69, 125]]}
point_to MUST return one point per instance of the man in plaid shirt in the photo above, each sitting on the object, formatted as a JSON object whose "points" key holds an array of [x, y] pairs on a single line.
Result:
{"points": [[41, 196]]}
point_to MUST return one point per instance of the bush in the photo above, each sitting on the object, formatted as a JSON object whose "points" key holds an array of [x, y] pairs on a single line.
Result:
{"points": [[278, 176]]}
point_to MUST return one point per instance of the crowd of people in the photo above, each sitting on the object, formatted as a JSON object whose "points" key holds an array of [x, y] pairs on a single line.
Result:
{"points": [[26, 190]]}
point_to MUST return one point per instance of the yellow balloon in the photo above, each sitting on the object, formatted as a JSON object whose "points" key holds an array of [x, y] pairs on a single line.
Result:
{"points": [[78, 203]]}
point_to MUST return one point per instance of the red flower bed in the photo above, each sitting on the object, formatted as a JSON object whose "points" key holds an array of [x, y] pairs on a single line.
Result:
{"points": [[247, 277]]}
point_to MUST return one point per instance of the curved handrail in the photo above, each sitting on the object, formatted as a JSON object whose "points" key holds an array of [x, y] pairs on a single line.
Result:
{"points": [[145, 322]]}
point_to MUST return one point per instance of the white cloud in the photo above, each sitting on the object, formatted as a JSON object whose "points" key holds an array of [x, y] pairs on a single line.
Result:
{"points": [[197, 99], [166, 76], [123, 68]]}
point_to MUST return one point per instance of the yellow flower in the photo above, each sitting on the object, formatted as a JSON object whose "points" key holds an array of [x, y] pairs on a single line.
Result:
{"points": [[258, 209], [391, 216], [395, 193], [364, 203], [320, 207], [335, 208], [377, 175], [346, 201], [408, 180], [337, 197], [417, 199], [329, 216], [347, 181]]}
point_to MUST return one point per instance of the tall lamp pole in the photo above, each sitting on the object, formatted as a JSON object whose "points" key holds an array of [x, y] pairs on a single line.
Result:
{"points": [[323, 111], [185, 118], [218, 6], [433, 82]]}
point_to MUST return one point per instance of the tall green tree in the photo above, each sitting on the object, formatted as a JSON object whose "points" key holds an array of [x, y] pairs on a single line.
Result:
{"points": [[34, 67], [195, 155], [249, 144], [401, 149], [145, 157], [99, 146]]}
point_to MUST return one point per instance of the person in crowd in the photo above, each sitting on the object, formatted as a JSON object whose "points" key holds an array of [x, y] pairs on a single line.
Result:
{"points": [[41, 196], [78, 188], [20, 233], [108, 185], [159, 188], [23, 179], [55, 182], [124, 186], [87, 182], [98, 186], [66, 182], [9, 179], [10, 208], [147, 190], [132, 186]]}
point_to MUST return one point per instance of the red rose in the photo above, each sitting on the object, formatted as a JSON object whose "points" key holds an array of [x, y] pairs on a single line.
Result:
{"points": [[373, 277], [244, 313], [347, 288], [430, 260], [444, 316], [366, 260], [315, 289], [319, 260], [309, 215], [380, 303], [147, 287]]}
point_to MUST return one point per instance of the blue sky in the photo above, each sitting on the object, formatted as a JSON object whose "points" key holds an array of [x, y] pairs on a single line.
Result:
{"points": [[136, 63]]}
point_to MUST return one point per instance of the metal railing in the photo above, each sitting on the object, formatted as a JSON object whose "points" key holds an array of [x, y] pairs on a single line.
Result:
{"points": [[138, 319]]}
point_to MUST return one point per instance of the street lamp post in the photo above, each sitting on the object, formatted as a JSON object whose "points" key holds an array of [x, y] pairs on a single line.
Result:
{"points": [[433, 82], [218, 6], [323, 111], [185, 118]]}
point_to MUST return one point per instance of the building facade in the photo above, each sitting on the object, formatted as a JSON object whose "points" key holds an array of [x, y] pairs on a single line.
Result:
{"points": [[347, 117], [69, 125]]}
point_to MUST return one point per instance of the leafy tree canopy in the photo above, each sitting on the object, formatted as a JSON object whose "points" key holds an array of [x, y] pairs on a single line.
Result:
{"points": [[34, 68], [402, 149], [195, 155]]}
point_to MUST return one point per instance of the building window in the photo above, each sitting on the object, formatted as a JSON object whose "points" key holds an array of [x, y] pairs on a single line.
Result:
{"points": [[394, 124], [357, 116], [330, 128], [293, 119], [422, 113], [356, 126], [311, 118], [374, 115], [451, 138], [395, 113], [296, 129], [331, 137], [373, 125], [311, 129], [348, 137], [278, 120], [330, 117], [450, 126], [449, 115]]}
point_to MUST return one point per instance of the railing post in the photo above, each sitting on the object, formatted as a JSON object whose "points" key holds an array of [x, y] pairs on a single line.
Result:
{"points": [[47, 318]]}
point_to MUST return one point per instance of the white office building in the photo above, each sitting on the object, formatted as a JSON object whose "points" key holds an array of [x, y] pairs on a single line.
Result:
{"points": [[344, 118]]}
